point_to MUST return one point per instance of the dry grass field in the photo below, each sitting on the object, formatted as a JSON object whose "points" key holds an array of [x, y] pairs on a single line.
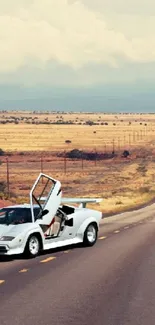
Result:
{"points": [[121, 130], [124, 183]]}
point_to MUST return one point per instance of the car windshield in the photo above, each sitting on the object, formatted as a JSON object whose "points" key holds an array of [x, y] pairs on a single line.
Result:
{"points": [[14, 216]]}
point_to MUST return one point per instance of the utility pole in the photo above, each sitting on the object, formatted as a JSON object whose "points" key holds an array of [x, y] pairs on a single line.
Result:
{"points": [[65, 162], [8, 178], [141, 134], [124, 141], [129, 139], [119, 147], [82, 163], [113, 146], [41, 167], [95, 156], [105, 148]]}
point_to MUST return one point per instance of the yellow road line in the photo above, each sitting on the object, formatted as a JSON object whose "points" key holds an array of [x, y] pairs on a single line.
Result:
{"points": [[2, 281], [103, 237], [116, 231], [48, 259], [23, 271]]}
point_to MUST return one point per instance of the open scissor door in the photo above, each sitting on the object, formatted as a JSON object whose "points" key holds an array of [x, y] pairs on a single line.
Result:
{"points": [[45, 194]]}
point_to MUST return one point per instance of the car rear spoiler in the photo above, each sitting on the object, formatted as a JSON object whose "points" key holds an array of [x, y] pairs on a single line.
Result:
{"points": [[82, 201]]}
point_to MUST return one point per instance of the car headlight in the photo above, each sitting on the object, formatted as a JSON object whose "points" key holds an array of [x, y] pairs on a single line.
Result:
{"points": [[6, 238]]}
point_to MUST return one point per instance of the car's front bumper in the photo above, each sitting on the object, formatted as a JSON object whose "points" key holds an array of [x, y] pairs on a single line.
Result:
{"points": [[5, 249]]}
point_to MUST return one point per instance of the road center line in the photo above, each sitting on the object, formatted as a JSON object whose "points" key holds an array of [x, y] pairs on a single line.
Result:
{"points": [[48, 259], [127, 227], [66, 252], [2, 281], [23, 271], [103, 237], [116, 231]]}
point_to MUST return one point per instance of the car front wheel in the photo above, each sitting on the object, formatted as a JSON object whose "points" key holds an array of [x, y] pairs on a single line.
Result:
{"points": [[33, 246], [90, 235]]}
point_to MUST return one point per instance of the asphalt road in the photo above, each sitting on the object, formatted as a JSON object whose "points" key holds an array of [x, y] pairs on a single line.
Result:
{"points": [[110, 283]]}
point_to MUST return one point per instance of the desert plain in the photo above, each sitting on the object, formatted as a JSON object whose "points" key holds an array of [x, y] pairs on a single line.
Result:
{"points": [[32, 142]]}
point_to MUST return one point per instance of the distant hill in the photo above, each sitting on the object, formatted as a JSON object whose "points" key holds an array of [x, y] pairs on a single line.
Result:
{"points": [[120, 98]]}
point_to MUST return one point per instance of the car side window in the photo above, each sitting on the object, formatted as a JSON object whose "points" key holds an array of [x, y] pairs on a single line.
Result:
{"points": [[27, 215], [36, 213]]}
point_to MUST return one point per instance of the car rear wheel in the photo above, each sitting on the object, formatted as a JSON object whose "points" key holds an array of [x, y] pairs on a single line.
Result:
{"points": [[33, 246], [90, 235]]}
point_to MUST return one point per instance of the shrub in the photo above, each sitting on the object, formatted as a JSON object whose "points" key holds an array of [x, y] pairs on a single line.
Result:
{"points": [[2, 186], [125, 153], [68, 141], [79, 154], [2, 153], [118, 203], [75, 154], [142, 169], [89, 123], [144, 190]]}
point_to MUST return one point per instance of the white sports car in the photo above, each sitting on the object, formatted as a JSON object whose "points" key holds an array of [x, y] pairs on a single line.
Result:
{"points": [[47, 222]]}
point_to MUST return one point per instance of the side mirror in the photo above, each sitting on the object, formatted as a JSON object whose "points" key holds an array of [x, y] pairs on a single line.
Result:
{"points": [[44, 212], [69, 222]]}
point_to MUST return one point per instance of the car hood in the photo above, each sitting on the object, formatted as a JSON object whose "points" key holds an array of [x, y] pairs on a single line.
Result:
{"points": [[14, 230]]}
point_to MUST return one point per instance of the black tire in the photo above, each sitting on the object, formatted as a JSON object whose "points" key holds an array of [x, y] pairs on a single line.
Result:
{"points": [[90, 235], [33, 246]]}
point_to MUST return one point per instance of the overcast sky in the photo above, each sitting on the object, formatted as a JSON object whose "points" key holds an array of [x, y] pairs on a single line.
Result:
{"points": [[68, 43]]}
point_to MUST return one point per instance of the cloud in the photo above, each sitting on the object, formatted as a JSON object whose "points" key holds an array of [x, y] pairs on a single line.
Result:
{"points": [[75, 42], [70, 33], [138, 7]]}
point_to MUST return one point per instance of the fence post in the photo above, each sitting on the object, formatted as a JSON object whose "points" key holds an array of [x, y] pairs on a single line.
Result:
{"points": [[129, 139], [8, 176], [95, 156], [65, 162], [113, 146], [105, 148], [141, 134], [82, 163], [119, 147], [41, 166], [124, 141]]}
